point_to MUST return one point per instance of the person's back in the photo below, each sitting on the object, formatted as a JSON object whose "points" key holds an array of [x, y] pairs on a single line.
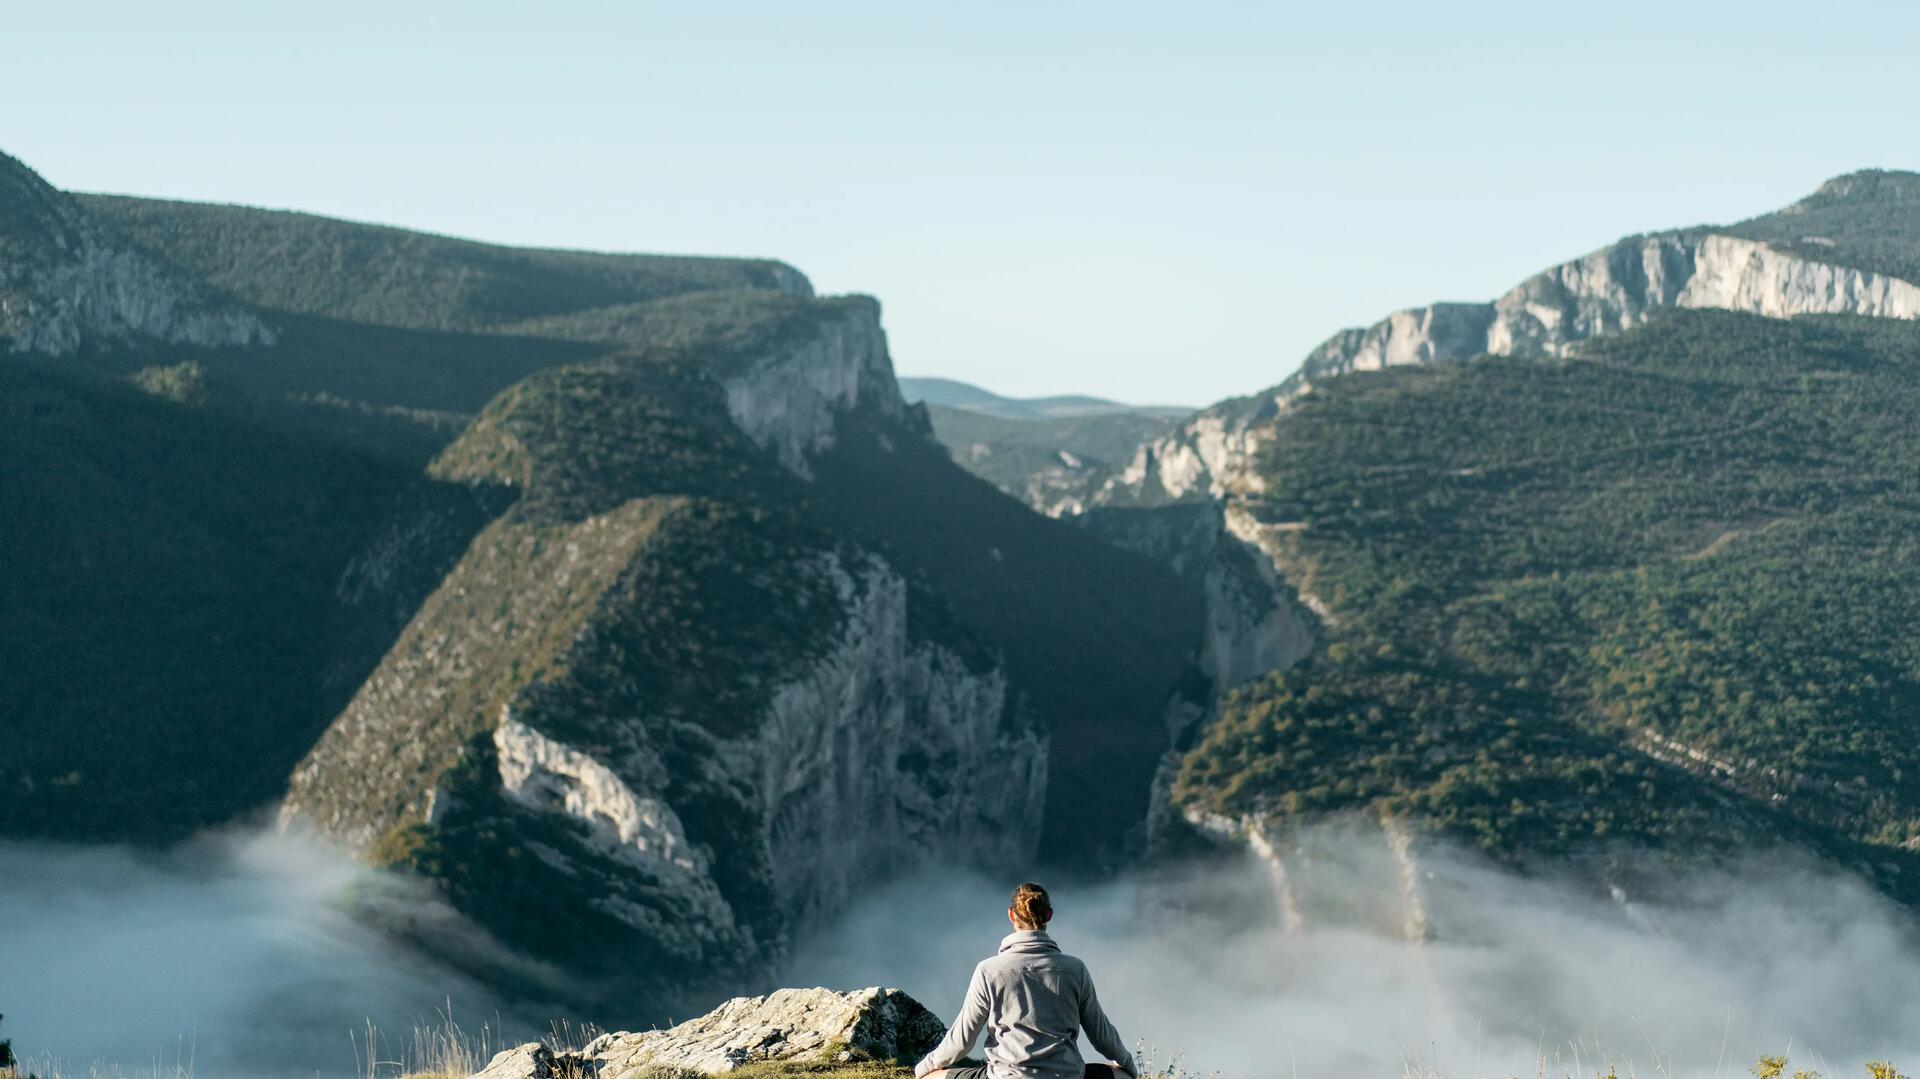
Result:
{"points": [[1031, 1001]]}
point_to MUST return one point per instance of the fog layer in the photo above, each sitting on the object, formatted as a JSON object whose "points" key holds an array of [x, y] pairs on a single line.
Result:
{"points": [[237, 956], [228, 957], [1519, 976]]}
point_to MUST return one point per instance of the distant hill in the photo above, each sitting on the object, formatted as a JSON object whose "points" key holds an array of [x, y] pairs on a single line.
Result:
{"points": [[1049, 452], [954, 394], [1053, 463]]}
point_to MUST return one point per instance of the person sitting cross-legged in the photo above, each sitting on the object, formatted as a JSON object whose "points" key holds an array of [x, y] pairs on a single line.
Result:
{"points": [[1032, 1001]]}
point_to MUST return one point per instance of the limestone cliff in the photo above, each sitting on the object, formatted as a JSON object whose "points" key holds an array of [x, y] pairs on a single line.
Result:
{"points": [[1255, 623], [67, 282], [790, 399], [1615, 289], [1261, 618]]}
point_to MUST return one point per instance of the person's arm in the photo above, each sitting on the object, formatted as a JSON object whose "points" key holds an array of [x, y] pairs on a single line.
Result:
{"points": [[1100, 1031], [964, 1031]]}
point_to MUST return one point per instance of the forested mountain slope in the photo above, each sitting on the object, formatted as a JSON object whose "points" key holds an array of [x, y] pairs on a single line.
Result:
{"points": [[171, 637], [712, 669], [1661, 592]]}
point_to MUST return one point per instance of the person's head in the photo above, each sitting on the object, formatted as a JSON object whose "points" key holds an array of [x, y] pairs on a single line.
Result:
{"points": [[1030, 909]]}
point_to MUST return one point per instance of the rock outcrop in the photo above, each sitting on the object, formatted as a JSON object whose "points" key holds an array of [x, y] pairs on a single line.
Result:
{"points": [[67, 282], [1207, 457], [787, 1024]]}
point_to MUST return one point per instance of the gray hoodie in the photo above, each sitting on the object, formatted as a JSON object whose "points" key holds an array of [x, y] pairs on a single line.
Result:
{"points": [[1032, 1000]]}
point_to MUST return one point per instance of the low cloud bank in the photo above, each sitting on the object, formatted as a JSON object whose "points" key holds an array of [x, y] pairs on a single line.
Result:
{"points": [[1519, 976], [227, 957], [237, 956]]}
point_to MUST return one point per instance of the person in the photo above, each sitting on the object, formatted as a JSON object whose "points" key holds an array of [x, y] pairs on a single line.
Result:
{"points": [[1032, 1000]]}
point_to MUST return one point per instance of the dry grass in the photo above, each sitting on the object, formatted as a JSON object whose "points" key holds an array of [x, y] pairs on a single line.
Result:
{"points": [[443, 1050]]}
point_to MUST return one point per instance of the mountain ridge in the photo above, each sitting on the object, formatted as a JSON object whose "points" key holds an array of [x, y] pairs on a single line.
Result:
{"points": [[310, 264], [1551, 312], [953, 393]]}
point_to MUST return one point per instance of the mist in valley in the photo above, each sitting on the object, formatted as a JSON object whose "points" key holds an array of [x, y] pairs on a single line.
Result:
{"points": [[235, 956], [1519, 976], [230, 956]]}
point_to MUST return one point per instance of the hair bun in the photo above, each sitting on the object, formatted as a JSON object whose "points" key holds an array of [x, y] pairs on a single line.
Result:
{"points": [[1031, 907]]}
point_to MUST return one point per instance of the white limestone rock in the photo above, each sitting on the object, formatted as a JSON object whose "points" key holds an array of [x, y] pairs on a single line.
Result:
{"points": [[789, 402], [1254, 624], [1615, 289]]}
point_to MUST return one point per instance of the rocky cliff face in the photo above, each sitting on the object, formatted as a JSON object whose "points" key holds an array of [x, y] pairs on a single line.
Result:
{"points": [[1258, 621], [1615, 289], [66, 282], [1255, 623], [1610, 290], [1205, 458], [791, 400]]}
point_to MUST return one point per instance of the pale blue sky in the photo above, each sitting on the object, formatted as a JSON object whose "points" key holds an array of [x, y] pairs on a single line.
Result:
{"points": [[1167, 202]]}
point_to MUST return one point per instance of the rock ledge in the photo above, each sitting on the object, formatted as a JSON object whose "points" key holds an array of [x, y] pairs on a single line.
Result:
{"points": [[787, 1024]]}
